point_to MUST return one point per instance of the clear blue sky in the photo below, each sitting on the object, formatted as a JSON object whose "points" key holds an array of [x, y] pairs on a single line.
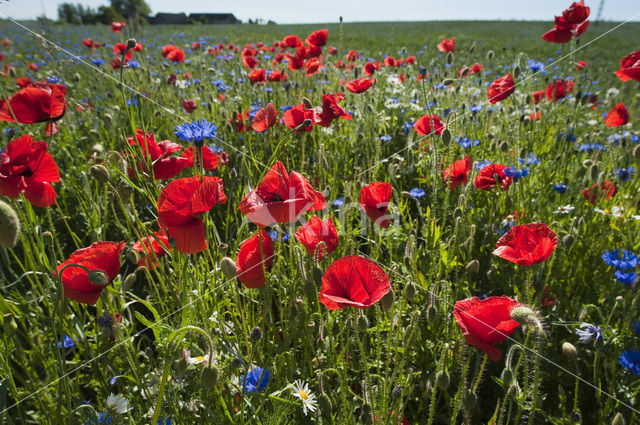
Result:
{"points": [[307, 11]]}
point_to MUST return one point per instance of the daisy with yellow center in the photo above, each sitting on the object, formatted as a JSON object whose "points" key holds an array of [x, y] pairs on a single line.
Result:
{"points": [[301, 390]]}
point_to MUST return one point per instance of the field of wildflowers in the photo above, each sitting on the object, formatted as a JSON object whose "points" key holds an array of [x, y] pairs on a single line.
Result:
{"points": [[392, 223]]}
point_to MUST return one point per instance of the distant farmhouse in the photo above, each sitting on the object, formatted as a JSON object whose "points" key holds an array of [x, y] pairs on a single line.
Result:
{"points": [[203, 18]]}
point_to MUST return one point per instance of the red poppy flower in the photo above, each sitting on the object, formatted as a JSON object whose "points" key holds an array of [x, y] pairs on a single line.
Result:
{"points": [[353, 281], [164, 165], [138, 47], [606, 190], [249, 61], [180, 206], [120, 48], [24, 81], [195, 45], [426, 125], [537, 95], [371, 67], [630, 67], [359, 85], [210, 159], [458, 172], [580, 65], [26, 167], [265, 118], [176, 55], [559, 89], [276, 75], [617, 116], [280, 198], [151, 248], [492, 175], [562, 32], [581, 28], [576, 13], [353, 55], [332, 51], [486, 322], [315, 231], [475, 68], [253, 260], [312, 66], [100, 256], [390, 61], [117, 27], [374, 200], [447, 45], [332, 110], [168, 48], [38, 102], [527, 244], [317, 38], [257, 75], [501, 89], [292, 41], [189, 105], [295, 116], [314, 51]]}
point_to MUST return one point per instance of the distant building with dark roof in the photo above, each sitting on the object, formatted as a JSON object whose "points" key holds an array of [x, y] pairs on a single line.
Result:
{"points": [[203, 18]]}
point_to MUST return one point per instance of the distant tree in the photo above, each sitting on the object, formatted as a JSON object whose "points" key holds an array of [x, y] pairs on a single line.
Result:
{"points": [[203, 19], [107, 14], [68, 12], [131, 9]]}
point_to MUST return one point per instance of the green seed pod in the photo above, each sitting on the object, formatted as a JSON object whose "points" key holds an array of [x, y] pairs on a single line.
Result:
{"points": [[307, 103], [522, 315], [9, 226], [396, 393], [516, 71], [432, 314], [450, 58], [228, 267], [469, 401], [128, 282], [362, 323], [125, 191], [442, 380], [569, 350], [568, 240], [366, 414], [410, 291], [594, 171], [472, 48], [576, 417], [324, 403], [504, 146], [100, 173], [255, 334], [387, 301], [618, 419], [507, 376], [77, 77], [98, 277], [473, 266], [446, 136], [209, 377], [490, 54]]}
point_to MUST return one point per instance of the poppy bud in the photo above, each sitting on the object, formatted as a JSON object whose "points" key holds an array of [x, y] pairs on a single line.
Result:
{"points": [[432, 314], [47, 237], [575, 416], [568, 240], [124, 191], [223, 247], [522, 315], [387, 300], [618, 419], [472, 48], [446, 136], [636, 152], [237, 362], [362, 323], [507, 376], [516, 71], [569, 350], [307, 103], [76, 77], [255, 334], [489, 136], [490, 54], [504, 146], [324, 402], [98, 277], [367, 411], [181, 366], [528, 99], [128, 282], [228, 267], [12, 72], [587, 163], [9, 226], [594, 171], [209, 377], [442, 380], [447, 82], [473, 266], [465, 72], [349, 322], [410, 291], [469, 400], [449, 58], [100, 173], [131, 43]]}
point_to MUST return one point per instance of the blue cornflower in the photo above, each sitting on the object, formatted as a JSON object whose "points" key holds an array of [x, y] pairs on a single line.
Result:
{"points": [[112, 381], [634, 138], [535, 66], [134, 64], [132, 101], [591, 146], [629, 259], [408, 125], [636, 327], [531, 159], [630, 359], [67, 341], [624, 173], [417, 193], [54, 79], [481, 164], [466, 143], [560, 188], [475, 108], [338, 202], [628, 278], [196, 131], [386, 138], [216, 149], [588, 332], [275, 236], [97, 62], [516, 174], [256, 380]]}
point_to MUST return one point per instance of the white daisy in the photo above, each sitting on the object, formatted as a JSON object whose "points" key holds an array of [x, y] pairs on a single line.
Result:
{"points": [[301, 390], [117, 404], [565, 209]]}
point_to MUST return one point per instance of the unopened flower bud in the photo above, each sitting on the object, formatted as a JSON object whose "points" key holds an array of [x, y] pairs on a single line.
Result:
{"points": [[442, 380], [636, 152], [306, 123], [9, 226], [507, 376], [362, 323], [128, 282], [469, 401], [100, 173], [569, 350], [522, 315], [387, 300], [516, 71], [473, 266], [490, 54], [228, 267], [255, 334], [98, 277], [366, 413], [432, 314], [410, 291], [594, 171], [449, 58], [575, 417], [307, 103], [396, 393], [209, 377], [567, 240], [504, 146], [131, 43], [446, 136], [618, 419], [324, 403]]}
